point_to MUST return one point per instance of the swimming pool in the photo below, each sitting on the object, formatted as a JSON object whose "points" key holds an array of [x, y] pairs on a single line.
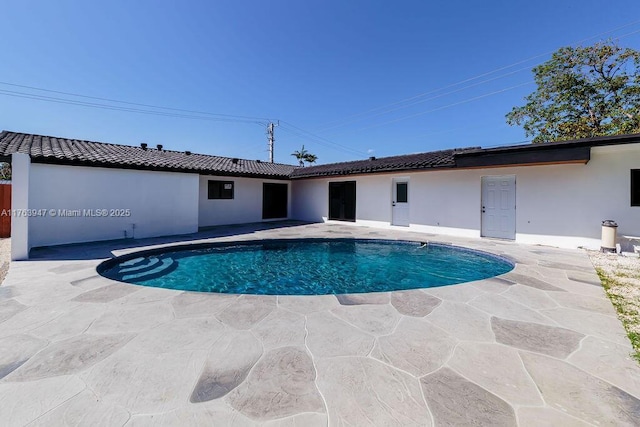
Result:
{"points": [[305, 266]]}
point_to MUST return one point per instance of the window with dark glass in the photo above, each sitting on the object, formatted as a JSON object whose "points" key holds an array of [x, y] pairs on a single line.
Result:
{"points": [[401, 192], [220, 190], [635, 187]]}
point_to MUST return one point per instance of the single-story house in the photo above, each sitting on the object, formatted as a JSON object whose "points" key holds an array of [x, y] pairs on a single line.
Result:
{"points": [[70, 191]]}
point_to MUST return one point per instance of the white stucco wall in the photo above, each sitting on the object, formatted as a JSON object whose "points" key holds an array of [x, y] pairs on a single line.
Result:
{"points": [[566, 204], [245, 207], [437, 201], [310, 199], [20, 172], [558, 205], [161, 203]]}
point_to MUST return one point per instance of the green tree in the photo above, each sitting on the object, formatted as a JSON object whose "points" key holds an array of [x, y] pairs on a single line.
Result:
{"points": [[300, 155], [5, 171], [310, 158], [583, 92], [304, 156]]}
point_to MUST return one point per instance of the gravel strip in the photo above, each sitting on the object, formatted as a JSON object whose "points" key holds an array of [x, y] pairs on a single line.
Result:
{"points": [[5, 258], [620, 277]]}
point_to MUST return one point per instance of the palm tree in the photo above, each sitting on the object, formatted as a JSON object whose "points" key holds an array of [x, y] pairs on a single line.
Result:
{"points": [[301, 155], [310, 158]]}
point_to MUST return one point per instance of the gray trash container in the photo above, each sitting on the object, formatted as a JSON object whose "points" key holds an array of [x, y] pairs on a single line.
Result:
{"points": [[609, 229]]}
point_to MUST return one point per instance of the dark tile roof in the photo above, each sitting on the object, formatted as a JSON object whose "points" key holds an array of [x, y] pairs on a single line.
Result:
{"points": [[433, 159], [473, 157], [47, 149]]}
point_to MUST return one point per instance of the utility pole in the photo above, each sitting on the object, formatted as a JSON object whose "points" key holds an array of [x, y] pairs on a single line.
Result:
{"points": [[272, 139]]}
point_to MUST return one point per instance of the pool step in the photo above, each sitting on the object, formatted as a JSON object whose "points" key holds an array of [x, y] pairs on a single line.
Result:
{"points": [[158, 268], [141, 266], [133, 262]]}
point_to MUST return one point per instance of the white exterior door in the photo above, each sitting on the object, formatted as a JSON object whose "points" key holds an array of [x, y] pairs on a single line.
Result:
{"points": [[499, 207], [400, 203]]}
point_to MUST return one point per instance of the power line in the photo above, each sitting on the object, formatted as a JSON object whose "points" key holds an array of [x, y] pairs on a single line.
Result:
{"points": [[132, 103], [324, 141], [431, 98], [290, 128], [26, 95], [344, 121], [193, 114], [316, 141], [447, 106]]}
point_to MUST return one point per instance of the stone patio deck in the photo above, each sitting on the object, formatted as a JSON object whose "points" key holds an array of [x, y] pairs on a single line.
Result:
{"points": [[540, 345]]}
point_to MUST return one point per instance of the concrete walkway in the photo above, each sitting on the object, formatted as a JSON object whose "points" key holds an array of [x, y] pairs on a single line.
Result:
{"points": [[540, 345]]}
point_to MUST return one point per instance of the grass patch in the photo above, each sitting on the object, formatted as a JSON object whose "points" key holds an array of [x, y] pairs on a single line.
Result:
{"points": [[627, 313], [631, 275]]}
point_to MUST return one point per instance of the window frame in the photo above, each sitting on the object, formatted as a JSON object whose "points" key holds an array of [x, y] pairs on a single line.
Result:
{"points": [[222, 193], [404, 193]]}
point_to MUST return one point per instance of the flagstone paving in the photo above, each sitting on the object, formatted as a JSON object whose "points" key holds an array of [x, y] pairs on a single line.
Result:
{"points": [[540, 345]]}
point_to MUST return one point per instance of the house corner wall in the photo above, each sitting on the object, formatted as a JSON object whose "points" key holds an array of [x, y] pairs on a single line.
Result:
{"points": [[85, 204], [309, 200], [564, 205], [20, 176]]}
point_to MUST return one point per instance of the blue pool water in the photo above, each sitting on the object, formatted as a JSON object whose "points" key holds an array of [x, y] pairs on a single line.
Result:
{"points": [[305, 267]]}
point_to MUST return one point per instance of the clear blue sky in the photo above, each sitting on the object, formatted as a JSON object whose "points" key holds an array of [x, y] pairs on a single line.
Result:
{"points": [[317, 66]]}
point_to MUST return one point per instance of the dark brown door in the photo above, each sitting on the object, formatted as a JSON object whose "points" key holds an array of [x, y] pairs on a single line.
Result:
{"points": [[342, 200], [274, 200]]}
